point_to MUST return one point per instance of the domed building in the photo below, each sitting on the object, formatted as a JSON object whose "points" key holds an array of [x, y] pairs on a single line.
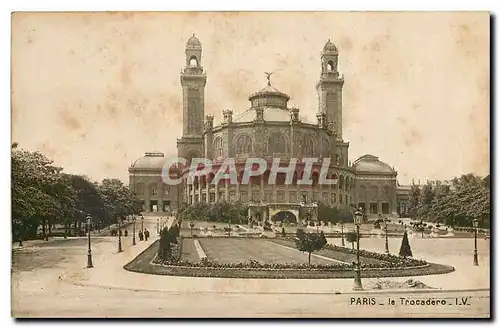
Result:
{"points": [[269, 128]]}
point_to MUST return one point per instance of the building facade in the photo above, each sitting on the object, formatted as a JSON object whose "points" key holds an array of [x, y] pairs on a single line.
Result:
{"points": [[269, 128]]}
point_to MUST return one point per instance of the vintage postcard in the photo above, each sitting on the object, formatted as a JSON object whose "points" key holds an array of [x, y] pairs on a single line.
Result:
{"points": [[251, 164]]}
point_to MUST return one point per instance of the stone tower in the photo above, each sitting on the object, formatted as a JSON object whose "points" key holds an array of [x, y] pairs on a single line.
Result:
{"points": [[329, 88], [193, 81]]}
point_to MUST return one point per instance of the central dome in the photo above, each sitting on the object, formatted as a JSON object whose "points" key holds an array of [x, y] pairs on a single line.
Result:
{"points": [[269, 96]]}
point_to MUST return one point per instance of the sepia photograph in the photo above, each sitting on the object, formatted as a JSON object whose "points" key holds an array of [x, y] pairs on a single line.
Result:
{"points": [[319, 164]]}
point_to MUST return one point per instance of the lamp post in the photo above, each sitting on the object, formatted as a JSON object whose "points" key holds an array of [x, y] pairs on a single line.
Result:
{"points": [[386, 239], [475, 222], [191, 225], [157, 226], [342, 232], [89, 253], [142, 223], [119, 236], [133, 230], [358, 217], [315, 211]]}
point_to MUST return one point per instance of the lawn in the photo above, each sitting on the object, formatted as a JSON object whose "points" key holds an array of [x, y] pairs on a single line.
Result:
{"points": [[242, 250]]}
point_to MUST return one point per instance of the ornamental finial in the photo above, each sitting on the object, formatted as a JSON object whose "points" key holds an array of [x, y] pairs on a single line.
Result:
{"points": [[268, 77]]}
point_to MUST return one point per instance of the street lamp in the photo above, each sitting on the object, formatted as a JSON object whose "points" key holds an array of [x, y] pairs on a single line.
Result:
{"points": [[89, 253], [191, 225], [133, 230], [342, 232], [386, 239], [157, 226], [119, 236], [142, 223], [315, 211], [358, 217], [476, 223]]}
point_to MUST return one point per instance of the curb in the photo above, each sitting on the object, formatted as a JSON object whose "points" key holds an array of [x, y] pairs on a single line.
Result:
{"points": [[377, 292]]}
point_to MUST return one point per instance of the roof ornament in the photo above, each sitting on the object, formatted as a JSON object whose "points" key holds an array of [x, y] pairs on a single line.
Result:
{"points": [[268, 77]]}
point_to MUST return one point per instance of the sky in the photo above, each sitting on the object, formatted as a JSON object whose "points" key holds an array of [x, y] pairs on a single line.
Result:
{"points": [[95, 91]]}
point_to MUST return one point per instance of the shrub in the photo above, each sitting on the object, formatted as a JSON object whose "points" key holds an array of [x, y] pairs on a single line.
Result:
{"points": [[405, 250]]}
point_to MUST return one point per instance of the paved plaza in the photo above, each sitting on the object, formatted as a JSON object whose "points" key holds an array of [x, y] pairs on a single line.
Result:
{"points": [[50, 279]]}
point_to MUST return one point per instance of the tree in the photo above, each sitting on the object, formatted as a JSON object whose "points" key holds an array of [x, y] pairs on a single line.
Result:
{"points": [[405, 250], [468, 199], [42, 194], [327, 213], [167, 238], [414, 200], [351, 237], [310, 242], [344, 214]]}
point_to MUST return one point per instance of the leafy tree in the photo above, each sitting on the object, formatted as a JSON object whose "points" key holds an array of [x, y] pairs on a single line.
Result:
{"points": [[468, 199], [405, 250], [345, 214], [42, 194], [327, 213], [167, 238], [310, 242], [414, 200]]}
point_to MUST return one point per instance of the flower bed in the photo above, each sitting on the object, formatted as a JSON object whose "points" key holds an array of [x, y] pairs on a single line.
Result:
{"points": [[148, 262], [393, 260]]}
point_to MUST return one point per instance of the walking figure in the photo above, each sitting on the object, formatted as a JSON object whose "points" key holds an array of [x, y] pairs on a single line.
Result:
{"points": [[146, 234], [126, 233], [141, 236]]}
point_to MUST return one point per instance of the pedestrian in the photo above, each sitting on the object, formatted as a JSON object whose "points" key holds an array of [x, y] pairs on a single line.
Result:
{"points": [[126, 233], [146, 234], [141, 236]]}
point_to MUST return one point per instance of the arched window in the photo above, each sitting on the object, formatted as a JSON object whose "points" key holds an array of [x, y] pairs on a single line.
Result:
{"points": [[193, 61], [244, 144], [330, 66], [276, 144], [166, 189], [218, 147], [308, 146], [341, 182]]}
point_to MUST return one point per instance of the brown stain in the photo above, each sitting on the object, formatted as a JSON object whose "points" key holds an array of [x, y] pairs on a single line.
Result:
{"points": [[467, 40], [69, 120], [345, 44], [413, 138]]}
